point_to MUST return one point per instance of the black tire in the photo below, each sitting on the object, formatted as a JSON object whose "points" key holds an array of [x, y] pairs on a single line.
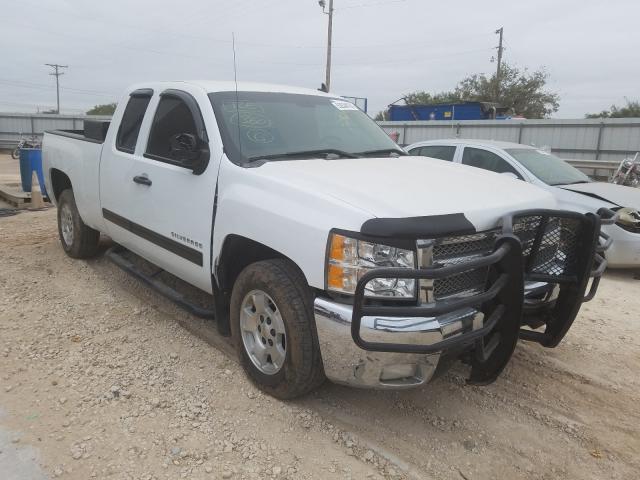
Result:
{"points": [[84, 239], [302, 370]]}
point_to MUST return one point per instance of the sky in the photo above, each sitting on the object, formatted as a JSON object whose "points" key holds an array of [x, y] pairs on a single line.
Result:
{"points": [[383, 49]]}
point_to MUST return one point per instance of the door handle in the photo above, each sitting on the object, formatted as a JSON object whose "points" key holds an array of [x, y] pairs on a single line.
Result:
{"points": [[142, 180]]}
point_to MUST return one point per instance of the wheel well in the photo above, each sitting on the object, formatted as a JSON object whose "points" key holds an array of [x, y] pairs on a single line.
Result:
{"points": [[237, 253], [59, 182]]}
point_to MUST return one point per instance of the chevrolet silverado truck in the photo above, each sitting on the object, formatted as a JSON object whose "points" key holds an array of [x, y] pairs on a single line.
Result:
{"points": [[328, 251]]}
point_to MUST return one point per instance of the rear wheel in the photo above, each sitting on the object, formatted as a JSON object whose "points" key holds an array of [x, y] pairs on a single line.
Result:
{"points": [[274, 330], [78, 240]]}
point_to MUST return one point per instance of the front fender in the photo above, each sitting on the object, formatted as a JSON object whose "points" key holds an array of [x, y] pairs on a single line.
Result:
{"points": [[290, 219]]}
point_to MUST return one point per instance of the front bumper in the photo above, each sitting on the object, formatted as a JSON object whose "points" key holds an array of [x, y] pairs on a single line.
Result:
{"points": [[625, 250], [392, 346], [346, 363]]}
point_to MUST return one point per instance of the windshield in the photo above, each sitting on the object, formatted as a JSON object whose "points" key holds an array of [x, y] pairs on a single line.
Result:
{"points": [[548, 168], [288, 125]]}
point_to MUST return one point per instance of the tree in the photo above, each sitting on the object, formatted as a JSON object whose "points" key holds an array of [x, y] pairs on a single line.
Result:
{"points": [[422, 98], [522, 91], [425, 98], [381, 116], [105, 109], [631, 109]]}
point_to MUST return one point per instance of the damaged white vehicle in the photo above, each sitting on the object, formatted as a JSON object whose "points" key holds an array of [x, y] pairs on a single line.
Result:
{"points": [[572, 188], [327, 250]]}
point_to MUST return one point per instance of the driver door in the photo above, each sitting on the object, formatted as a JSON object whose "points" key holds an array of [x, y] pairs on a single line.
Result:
{"points": [[155, 205]]}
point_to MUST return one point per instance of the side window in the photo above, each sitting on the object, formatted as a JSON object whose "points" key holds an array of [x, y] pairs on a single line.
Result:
{"points": [[442, 152], [130, 123], [172, 121], [477, 157]]}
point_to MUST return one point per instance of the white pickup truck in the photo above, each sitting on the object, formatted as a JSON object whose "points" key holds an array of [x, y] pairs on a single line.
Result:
{"points": [[329, 252]]}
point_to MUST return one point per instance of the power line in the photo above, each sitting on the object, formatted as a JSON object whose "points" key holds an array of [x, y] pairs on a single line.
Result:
{"points": [[43, 86], [375, 4], [57, 74], [19, 104], [444, 55], [38, 106], [204, 58], [197, 15], [164, 32]]}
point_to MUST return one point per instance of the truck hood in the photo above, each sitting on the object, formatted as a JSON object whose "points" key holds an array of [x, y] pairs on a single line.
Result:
{"points": [[608, 192], [411, 186]]}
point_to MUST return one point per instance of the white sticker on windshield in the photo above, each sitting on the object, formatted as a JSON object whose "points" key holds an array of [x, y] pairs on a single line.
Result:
{"points": [[342, 105]]}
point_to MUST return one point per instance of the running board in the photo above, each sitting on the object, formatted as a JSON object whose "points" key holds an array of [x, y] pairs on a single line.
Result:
{"points": [[114, 254]]}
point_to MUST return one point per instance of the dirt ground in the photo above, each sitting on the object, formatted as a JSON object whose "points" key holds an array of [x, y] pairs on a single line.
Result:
{"points": [[101, 377]]}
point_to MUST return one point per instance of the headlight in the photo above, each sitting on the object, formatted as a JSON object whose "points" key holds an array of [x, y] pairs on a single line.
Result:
{"points": [[348, 259]]}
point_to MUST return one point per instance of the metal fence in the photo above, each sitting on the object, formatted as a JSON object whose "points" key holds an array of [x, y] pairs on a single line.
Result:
{"points": [[595, 146], [608, 140], [12, 125]]}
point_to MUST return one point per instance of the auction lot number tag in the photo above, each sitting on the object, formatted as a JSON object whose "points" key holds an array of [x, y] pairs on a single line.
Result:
{"points": [[342, 105]]}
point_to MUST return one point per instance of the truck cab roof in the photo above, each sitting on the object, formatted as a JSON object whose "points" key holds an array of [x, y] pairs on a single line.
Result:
{"points": [[212, 86]]}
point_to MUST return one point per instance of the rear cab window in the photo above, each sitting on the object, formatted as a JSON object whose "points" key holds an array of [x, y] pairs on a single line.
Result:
{"points": [[132, 119], [441, 152]]}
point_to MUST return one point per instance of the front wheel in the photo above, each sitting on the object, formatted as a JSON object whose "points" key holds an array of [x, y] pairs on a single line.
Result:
{"points": [[78, 240], [274, 330]]}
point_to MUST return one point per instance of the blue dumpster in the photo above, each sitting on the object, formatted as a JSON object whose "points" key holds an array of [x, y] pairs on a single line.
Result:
{"points": [[30, 160]]}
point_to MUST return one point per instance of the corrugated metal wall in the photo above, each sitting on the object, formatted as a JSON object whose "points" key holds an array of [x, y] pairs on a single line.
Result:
{"points": [[605, 140], [14, 124]]}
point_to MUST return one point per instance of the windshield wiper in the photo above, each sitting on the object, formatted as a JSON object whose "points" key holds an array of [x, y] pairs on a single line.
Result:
{"points": [[326, 152], [390, 151], [570, 183]]}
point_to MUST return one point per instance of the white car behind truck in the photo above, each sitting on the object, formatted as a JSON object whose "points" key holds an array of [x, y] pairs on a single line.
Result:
{"points": [[329, 252], [572, 189]]}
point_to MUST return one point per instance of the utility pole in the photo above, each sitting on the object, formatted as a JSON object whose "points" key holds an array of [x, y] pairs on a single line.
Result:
{"points": [[57, 74], [322, 3], [500, 32]]}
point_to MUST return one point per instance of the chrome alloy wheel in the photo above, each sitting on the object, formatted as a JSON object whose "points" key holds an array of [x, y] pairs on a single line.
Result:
{"points": [[66, 224], [263, 333]]}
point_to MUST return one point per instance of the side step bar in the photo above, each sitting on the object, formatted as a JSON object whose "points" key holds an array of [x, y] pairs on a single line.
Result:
{"points": [[114, 254]]}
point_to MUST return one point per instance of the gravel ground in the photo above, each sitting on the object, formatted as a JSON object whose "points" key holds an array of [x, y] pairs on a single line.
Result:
{"points": [[102, 378]]}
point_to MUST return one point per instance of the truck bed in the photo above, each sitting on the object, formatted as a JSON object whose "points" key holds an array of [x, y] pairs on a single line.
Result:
{"points": [[76, 154], [94, 131]]}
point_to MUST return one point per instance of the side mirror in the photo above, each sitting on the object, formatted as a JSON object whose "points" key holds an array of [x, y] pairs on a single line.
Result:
{"points": [[183, 143], [510, 175], [190, 151]]}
